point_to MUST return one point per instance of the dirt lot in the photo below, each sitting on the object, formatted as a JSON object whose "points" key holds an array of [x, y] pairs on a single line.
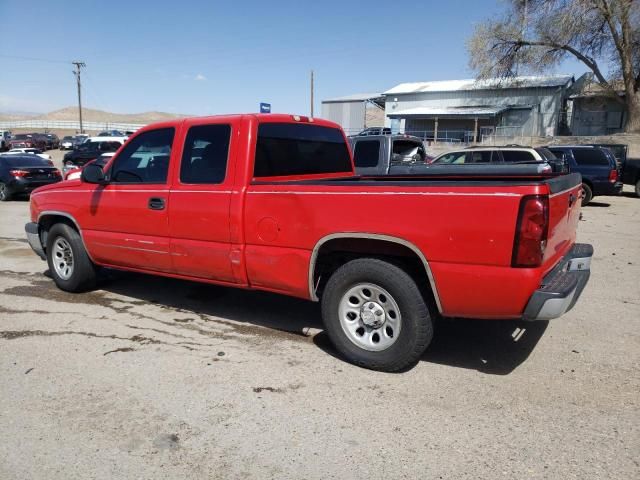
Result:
{"points": [[157, 378]]}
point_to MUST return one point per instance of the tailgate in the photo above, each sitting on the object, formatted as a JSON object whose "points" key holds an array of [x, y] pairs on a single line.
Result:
{"points": [[564, 213]]}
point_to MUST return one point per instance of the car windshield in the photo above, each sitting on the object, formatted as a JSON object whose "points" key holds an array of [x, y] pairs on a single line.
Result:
{"points": [[66, 139], [14, 161]]}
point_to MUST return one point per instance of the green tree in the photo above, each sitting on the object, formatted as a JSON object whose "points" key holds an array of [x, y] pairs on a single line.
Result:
{"points": [[533, 36]]}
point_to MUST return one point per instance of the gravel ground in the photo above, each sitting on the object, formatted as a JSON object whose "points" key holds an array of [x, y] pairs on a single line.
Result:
{"points": [[158, 378]]}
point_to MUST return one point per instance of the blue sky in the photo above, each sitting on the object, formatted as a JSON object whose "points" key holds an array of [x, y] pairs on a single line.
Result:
{"points": [[210, 57]]}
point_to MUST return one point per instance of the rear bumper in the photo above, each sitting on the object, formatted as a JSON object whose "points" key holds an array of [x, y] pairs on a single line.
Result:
{"points": [[561, 287], [33, 237]]}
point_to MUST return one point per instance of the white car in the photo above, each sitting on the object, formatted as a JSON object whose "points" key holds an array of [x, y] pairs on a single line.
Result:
{"points": [[33, 151], [66, 143], [102, 160]]}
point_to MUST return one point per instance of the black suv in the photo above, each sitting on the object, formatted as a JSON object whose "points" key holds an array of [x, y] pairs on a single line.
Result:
{"points": [[597, 165], [88, 151]]}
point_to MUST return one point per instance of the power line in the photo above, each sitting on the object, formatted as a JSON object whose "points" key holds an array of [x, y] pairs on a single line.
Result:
{"points": [[34, 59]]}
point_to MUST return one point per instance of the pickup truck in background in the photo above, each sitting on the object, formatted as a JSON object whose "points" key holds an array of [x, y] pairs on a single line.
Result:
{"points": [[271, 202], [388, 154]]}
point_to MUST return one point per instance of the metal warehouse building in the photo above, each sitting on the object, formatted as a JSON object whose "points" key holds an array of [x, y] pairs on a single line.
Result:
{"points": [[469, 110], [355, 112]]}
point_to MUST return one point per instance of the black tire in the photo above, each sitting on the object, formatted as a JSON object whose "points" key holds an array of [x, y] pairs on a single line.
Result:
{"points": [[587, 194], [5, 195], [416, 329], [638, 188], [84, 273]]}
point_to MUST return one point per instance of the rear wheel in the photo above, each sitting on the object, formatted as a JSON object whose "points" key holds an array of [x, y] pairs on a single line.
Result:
{"points": [[587, 194], [375, 315], [5, 195], [638, 188], [69, 264]]}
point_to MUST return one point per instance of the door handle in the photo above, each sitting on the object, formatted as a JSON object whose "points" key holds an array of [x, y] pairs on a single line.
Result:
{"points": [[156, 203]]}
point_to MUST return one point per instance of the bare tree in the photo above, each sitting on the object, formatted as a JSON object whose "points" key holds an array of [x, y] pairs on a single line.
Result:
{"points": [[535, 35]]}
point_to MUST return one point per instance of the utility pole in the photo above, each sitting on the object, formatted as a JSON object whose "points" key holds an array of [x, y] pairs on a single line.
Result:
{"points": [[76, 72], [312, 93]]}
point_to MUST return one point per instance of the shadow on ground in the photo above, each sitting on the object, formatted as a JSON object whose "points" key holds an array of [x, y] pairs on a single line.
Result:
{"points": [[598, 204], [490, 346]]}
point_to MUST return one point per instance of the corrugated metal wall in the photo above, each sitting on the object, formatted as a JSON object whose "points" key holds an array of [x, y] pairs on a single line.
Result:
{"points": [[546, 101], [350, 115]]}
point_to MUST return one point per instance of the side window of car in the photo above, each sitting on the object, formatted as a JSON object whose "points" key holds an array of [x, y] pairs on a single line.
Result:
{"points": [[482, 156], [513, 156], [366, 153], [145, 159], [206, 150], [590, 156]]}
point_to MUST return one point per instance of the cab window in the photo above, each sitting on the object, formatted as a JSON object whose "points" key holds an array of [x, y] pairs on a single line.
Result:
{"points": [[205, 154], [366, 153], [145, 159]]}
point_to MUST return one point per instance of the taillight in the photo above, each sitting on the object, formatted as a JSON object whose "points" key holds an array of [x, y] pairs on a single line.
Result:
{"points": [[531, 231], [19, 173], [613, 176]]}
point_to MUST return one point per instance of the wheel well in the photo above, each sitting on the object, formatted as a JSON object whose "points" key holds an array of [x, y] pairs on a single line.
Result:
{"points": [[336, 252], [47, 221]]}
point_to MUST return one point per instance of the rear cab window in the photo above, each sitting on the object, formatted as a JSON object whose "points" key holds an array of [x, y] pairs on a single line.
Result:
{"points": [[407, 151], [366, 153], [297, 149]]}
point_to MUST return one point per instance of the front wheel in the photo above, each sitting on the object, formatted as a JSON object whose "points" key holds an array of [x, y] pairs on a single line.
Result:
{"points": [[69, 263], [376, 316]]}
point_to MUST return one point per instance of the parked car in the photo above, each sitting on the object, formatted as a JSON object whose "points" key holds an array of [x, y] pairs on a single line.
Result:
{"points": [[629, 167], [101, 161], [33, 151], [27, 140], [111, 133], [66, 143], [90, 150], [539, 159], [53, 142], [631, 174], [598, 167], [5, 136], [79, 139], [23, 173], [374, 131], [271, 202]]}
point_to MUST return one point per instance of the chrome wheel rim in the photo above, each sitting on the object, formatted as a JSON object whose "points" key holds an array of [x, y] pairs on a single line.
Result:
{"points": [[62, 257], [370, 317], [3, 191]]}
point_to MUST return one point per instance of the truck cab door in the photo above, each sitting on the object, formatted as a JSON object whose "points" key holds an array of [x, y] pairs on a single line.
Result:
{"points": [[126, 222], [199, 219]]}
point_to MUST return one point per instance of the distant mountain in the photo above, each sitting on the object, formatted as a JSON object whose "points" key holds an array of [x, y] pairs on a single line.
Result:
{"points": [[92, 115]]}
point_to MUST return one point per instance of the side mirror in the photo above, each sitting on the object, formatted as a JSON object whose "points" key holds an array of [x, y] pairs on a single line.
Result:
{"points": [[93, 174]]}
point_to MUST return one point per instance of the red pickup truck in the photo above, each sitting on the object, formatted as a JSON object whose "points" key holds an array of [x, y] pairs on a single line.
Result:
{"points": [[271, 202]]}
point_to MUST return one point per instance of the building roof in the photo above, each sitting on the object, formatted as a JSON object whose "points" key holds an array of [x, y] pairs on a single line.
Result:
{"points": [[357, 97], [486, 84], [467, 112]]}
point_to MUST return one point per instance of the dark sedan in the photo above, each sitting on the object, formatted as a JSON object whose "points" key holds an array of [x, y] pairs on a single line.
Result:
{"points": [[24, 173]]}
